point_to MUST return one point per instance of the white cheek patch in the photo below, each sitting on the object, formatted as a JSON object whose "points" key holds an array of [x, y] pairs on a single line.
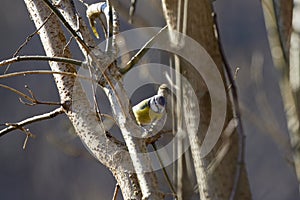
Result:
{"points": [[154, 106]]}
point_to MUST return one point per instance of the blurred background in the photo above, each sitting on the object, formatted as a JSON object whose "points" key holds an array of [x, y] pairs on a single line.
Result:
{"points": [[55, 165]]}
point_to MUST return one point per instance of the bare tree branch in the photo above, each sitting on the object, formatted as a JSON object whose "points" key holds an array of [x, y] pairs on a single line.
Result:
{"points": [[41, 72], [27, 40], [164, 170], [279, 35], [136, 58], [233, 97], [18, 125], [28, 135], [47, 72], [85, 121], [33, 100], [41, 58], [116, 192], [121, 168], [30, 36], [230, 173], [67, 25]]}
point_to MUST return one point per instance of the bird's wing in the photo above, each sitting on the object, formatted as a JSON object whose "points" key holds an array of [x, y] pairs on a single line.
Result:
{"points": [[141, 106], [141, 112]]}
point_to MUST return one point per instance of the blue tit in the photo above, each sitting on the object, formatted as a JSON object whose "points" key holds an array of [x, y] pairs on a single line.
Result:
{"points": [[150, 110]]}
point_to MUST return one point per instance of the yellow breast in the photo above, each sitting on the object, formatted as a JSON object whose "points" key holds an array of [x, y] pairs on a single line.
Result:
{"points": [[144, 115], [154, 116]]}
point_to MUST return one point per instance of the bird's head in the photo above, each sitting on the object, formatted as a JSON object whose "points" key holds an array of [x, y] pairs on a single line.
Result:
{"points": [[157, 103]]}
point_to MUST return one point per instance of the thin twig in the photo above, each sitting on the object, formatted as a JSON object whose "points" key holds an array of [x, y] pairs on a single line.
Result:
{"points": [[236, 73], [17, 92], [25, 141], [224, 148], [31, 35], [155, 137], [67, 45], [132, 11], [233, 96], [234, 78], [28, 39], [28, 135], [21, 124], [116, 192], [136, 58], [32, 99], [164, 169], [25, 130], [44, 72], [41, 58]]}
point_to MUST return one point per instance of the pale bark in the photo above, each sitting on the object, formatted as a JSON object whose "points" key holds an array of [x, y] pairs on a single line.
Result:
{"points": [[82, 116], [199, 25], [283, 27], [219, 183], [122, 164]]}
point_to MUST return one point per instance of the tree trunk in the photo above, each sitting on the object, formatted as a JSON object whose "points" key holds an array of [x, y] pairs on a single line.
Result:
{"points": [[82, 116], [195, 19], [283, 28]]}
